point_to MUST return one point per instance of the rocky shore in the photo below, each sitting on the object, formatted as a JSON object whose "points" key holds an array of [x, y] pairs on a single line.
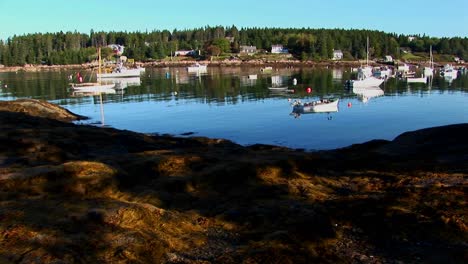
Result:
{"points": [[82, 194], [216, 63]]}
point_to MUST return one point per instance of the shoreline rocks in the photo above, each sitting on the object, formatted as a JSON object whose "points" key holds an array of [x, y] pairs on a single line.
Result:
{"points": [[82, 194]]}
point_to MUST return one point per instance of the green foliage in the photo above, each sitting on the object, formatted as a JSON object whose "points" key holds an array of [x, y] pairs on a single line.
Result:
{"points": [[223, 44], [304, 44]]}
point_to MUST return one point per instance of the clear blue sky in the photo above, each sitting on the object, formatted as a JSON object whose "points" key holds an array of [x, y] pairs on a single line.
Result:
{"points": [[431, 17]]}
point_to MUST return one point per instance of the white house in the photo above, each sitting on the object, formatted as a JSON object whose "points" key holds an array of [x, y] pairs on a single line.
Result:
{"points": [[248, 49], [278, 49], [337, 55], [388, 58]]}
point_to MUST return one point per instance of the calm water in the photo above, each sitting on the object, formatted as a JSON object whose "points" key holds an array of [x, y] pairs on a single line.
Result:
{"points": [[226, 103]]}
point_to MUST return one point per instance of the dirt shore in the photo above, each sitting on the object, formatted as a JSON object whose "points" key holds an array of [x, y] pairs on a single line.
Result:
{"points": [[83, 194]]}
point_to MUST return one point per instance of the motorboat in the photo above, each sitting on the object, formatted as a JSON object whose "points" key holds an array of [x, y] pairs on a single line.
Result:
{"points": [[283, 88], [120, 71], [197, 68], [449, 72], [318, 106], [382, 72], [416, 79]]}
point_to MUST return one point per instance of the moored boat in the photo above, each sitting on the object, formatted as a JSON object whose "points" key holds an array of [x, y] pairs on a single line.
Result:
{"points": [[318, 106], [197, 68], [364, 77], [93, 86]]}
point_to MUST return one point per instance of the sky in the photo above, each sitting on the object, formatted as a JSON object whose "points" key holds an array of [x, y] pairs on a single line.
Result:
{"points": [[434, 18]]}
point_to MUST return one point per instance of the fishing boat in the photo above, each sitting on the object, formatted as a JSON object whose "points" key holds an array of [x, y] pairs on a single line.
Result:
{"points": [[318, 106]]}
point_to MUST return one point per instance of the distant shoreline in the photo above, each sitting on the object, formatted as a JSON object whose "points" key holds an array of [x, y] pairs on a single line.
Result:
{"points": [[225, 63]]}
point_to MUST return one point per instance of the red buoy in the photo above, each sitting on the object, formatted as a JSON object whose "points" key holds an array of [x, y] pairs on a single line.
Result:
{"points": [[349, 104], [309, 90]]}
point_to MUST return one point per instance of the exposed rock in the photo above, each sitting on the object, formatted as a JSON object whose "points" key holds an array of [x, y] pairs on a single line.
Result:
{"points": [[83, 194], [39, 108]]}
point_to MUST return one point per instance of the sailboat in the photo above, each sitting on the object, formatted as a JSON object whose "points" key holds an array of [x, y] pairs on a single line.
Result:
{"points": [[429, 71], [365, 78], [94, 87]]}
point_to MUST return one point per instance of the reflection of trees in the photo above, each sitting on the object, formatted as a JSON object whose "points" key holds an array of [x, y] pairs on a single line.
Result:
{"points": [[223, 84]]}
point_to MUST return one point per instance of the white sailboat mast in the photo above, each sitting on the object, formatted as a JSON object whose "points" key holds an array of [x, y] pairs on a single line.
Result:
{"points": [[99, 65], [367, 52]]}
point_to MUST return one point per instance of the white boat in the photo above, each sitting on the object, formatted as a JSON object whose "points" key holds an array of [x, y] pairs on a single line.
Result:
{"points": [[319, 106], [197, 68], [122, 72], [429, 71], [365, 94], [266, 69], [97, 87], [365, 81], [382, 72], [449, 72], [403, 68], [416, 80], [278, 88], [364, 77]]}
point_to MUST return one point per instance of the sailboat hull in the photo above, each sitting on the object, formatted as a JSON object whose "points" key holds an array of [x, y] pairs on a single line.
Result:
{"points": [[367, 82]]}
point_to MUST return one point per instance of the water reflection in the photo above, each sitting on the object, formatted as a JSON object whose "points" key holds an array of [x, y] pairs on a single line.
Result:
{"points": [[365, 94], [218, 84], [122, 83]]}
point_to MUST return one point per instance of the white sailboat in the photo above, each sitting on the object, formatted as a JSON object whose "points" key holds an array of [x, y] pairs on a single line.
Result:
{"points": [[429, 71], [364, 77], [96, 87]]}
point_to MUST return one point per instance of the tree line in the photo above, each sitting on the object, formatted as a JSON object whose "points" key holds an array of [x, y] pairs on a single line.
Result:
{"points": [[304, 44]]}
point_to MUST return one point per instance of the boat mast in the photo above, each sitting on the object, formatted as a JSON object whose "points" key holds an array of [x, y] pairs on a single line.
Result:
{"points": [[367, 52], [99, 65], [431, 58]]}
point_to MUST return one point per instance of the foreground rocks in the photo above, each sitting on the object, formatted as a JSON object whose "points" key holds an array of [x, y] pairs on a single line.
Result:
{"points": [[81, 194]]}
